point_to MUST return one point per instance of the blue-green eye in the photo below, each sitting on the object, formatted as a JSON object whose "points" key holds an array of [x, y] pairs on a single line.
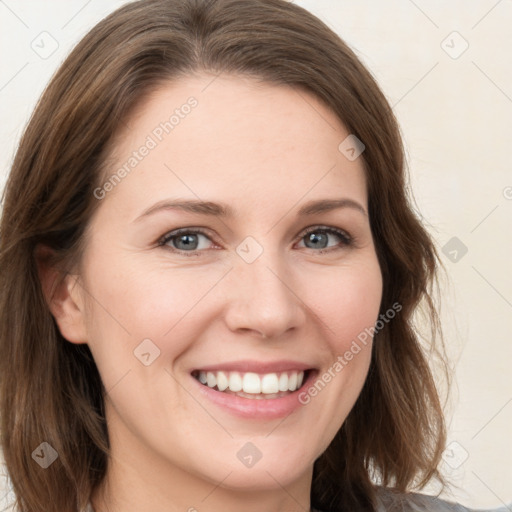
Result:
{"points": [[185, 240], [318, 238], [191, 241]]}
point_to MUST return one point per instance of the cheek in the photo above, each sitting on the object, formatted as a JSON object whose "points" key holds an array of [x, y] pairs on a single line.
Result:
{"points": [[132, 302], [347, 300]]}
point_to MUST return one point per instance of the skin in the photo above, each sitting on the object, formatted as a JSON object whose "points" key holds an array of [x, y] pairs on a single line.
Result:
{"points": [[265, 150]]}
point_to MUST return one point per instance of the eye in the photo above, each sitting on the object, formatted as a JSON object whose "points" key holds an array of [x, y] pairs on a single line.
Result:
{"points": [[185, 241], [191, 242], [318, 238]]}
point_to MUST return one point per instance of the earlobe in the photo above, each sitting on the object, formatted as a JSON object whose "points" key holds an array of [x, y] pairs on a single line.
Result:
{"points": [[63, 295]]}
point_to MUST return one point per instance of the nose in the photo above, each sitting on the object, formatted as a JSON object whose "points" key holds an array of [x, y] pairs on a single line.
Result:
{"points": [[262, 297]]}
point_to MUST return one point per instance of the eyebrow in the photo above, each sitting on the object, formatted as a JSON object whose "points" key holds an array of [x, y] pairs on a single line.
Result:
{"points": [[225, 211]]}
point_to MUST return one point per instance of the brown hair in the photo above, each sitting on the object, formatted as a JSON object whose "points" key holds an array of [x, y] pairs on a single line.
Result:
{"points": [[50, 390]]}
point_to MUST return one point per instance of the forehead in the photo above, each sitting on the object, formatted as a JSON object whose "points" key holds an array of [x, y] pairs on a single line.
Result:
{"points": [[236, 138]]}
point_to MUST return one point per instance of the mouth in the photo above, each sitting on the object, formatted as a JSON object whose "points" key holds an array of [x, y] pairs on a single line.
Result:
{"points": [[252, 385]]}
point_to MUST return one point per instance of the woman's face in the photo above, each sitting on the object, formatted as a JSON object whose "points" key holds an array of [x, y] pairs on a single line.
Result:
{"points": [[268, 290]]}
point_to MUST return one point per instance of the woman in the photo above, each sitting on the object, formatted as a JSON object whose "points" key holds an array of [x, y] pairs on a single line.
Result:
{"points": [[209, 270]]}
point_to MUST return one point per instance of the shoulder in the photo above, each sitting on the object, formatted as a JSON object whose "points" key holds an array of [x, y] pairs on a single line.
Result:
{"points": [[389, 501]]}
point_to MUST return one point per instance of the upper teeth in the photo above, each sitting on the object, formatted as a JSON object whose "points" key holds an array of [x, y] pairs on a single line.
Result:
{"points": [[267, 383]]}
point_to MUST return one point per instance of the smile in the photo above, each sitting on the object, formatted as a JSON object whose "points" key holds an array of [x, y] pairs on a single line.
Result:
{"points": [[253, 389], [252, 385]]}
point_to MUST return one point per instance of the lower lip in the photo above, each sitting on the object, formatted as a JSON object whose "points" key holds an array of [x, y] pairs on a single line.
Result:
{"points": [[266, 408]]}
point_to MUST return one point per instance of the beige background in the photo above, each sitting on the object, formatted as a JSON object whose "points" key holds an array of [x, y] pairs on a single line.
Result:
{"points": [[454, 105]]}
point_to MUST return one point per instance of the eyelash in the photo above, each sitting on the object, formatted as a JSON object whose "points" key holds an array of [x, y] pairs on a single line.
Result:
{"points": [[346, 239]]}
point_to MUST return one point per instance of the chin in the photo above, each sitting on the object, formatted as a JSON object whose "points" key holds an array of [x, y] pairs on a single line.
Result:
{"points": [[265, 471]]}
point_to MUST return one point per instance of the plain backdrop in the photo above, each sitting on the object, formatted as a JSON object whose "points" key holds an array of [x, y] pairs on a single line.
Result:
{"points": [[446, 68]]}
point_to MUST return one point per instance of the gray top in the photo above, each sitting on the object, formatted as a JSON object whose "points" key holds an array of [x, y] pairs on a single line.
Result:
{"points": [[392, 502], [415, 502]]}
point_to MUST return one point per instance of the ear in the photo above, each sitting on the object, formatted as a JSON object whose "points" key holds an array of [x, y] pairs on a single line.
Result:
{"points": [[63, 294]]}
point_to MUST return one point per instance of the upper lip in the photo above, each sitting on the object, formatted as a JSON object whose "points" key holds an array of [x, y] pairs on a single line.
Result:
{"points": [[257, 366]]}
